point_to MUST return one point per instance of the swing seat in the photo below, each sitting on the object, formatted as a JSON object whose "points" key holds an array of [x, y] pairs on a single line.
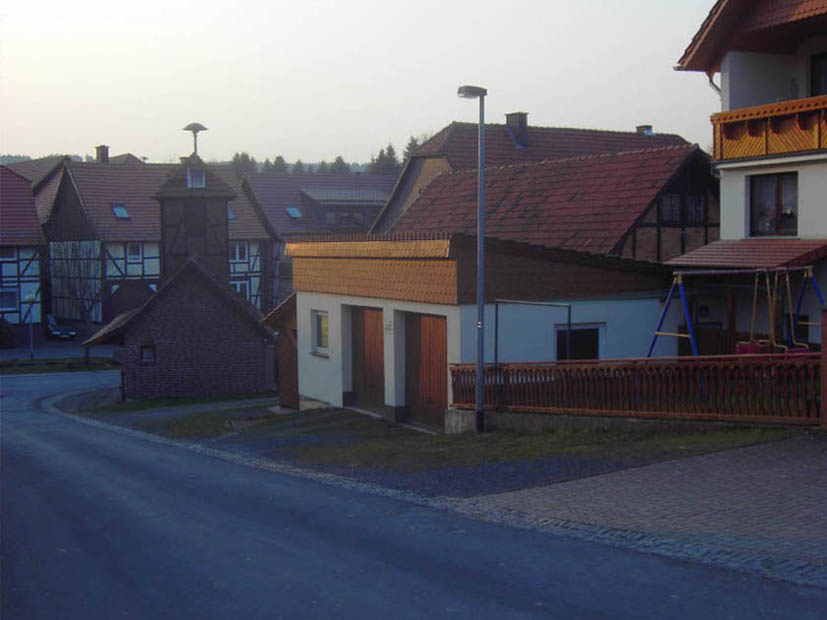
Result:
{"points": [[749, 348]]}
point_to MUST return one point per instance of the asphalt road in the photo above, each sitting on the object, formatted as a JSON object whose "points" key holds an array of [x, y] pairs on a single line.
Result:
{"points": [[97, 524]]}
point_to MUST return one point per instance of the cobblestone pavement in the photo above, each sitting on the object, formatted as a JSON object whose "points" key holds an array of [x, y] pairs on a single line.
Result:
{"points": [[760, 508]]}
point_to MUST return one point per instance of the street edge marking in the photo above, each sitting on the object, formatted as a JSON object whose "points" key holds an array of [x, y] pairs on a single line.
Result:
{"points": [[767, 566]]}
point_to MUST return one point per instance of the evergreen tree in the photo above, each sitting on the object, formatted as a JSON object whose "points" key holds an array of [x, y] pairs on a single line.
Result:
{"points": [[339, 166], [410, 149], [279, 165], [243, 163], [323, 167], [298, 167], [267, 166]]}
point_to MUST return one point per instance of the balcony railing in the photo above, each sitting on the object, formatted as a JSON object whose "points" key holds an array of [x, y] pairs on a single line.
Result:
{"points": [[795, 126]]}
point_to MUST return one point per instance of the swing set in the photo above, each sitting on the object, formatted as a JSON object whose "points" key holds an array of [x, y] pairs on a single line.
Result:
{"points": [[776, 281]]}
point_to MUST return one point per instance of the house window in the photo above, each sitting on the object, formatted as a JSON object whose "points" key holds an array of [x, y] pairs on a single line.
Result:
{"points": [[238, 254], [119, 210], [818, 75], [230, 214], [773, 203], [585, 343], [7, 252], [670, 208], [148, 354], [319, 326], [8, 299], [241, 287], [696, 209], [293, 213], [196, 178], [133, 252]]}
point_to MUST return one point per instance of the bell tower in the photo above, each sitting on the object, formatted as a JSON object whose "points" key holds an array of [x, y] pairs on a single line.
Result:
{"points": [[193, 203]]}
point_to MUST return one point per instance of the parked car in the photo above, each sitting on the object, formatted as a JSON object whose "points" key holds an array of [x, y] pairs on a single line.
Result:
{"points": [[56, 331]]}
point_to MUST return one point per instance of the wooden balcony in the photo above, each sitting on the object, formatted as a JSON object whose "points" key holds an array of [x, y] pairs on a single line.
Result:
{"points": [[796, 126]]}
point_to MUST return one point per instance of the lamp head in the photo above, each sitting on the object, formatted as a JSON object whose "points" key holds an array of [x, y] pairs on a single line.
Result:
{"points": [[471, 92]]}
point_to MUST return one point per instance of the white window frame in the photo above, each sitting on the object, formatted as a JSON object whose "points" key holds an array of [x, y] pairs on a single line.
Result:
{"points": [[319, 342], [129, 257], [16, 293], [234, 255], [196, 179], [242, 287]]}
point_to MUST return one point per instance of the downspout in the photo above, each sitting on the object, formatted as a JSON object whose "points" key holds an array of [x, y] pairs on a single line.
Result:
{"points": [[713, 85]]}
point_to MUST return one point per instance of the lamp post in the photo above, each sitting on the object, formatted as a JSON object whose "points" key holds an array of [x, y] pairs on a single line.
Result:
{"points": [[30, 299], [476, 92]]}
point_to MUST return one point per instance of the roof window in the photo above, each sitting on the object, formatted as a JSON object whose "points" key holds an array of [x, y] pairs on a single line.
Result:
{"points": [[294, 213], [230, 214], [119, 210], [196, 179]]}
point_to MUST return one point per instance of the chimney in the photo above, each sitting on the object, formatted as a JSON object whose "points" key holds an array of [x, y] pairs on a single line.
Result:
{"points": [[102, 154], [517, 123], [645, 130]]}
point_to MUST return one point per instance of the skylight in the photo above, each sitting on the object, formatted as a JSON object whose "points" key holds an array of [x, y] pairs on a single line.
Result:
{"points": [[294, 213], [119, 210]]}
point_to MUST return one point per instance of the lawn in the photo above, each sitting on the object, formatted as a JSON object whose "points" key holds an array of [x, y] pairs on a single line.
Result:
{"points": [[69, 364]]}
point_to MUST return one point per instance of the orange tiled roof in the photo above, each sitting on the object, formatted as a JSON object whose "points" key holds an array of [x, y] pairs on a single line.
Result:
{"points": [[582, 203], [18, 217], [458, 143], [743, 24], [754, 254]]}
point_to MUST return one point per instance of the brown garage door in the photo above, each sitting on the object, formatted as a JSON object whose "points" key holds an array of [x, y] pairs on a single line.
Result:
{"points": [[426, 368], [368, 357]]}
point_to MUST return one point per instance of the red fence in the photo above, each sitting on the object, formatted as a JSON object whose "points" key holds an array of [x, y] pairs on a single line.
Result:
{"points": [[781, 389]]}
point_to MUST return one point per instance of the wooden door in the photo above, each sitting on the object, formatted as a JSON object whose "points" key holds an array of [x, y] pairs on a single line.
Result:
{"points": [[426, 368], [368, 357]]}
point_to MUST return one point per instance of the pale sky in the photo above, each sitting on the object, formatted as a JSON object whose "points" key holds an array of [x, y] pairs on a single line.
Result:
{"points": [[314, 79]]}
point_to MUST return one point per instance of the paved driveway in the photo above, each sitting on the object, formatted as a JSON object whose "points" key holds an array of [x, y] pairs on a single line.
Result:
{"points": [[762, 507], [103, 523]]}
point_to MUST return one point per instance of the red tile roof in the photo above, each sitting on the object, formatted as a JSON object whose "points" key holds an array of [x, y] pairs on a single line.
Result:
{"points": [[18, 216], [44, 199], [37, 170], [275, 191], [458, 143], [733, 24], [584, 203], [754, 254], [100, 185]]}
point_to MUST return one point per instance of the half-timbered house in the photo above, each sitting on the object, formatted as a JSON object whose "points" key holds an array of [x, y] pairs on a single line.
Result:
{"points": [[21, 251]]}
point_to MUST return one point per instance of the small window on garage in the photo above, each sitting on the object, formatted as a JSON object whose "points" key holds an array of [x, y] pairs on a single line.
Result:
{"points": [[148, 354], [319, 326], [585, 343], [8, 299]]}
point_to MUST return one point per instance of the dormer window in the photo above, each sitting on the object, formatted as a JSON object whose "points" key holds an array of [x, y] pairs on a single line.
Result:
{"points": [[293, 213], [119, 210], [230, 214], [196, 179]]}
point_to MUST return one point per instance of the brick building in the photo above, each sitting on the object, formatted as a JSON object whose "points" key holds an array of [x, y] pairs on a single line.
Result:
{"points": [[195, 336]]}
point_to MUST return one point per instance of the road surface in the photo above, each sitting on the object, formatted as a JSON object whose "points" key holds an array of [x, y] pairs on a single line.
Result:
{"points": [[98, 524]]}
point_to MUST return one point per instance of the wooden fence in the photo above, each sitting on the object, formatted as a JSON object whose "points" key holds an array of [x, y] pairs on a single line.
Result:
{"points": [[778, 389]]}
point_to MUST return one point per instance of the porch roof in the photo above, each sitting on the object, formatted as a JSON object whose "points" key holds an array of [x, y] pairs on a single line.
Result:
{"points": [[754, 254]]}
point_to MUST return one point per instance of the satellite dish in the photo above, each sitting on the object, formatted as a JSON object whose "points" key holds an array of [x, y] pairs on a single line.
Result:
{"points": [[195, 128]]}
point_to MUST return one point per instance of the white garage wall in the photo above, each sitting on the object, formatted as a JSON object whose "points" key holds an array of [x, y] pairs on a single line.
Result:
{"points": [[527, 333], [326, 378]]}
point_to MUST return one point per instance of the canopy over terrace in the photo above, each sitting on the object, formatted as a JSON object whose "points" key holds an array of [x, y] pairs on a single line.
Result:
{"points": [[750, 284]]}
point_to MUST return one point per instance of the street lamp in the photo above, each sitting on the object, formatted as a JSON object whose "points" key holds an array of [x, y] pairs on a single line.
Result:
{"points": [[477, 92]]}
